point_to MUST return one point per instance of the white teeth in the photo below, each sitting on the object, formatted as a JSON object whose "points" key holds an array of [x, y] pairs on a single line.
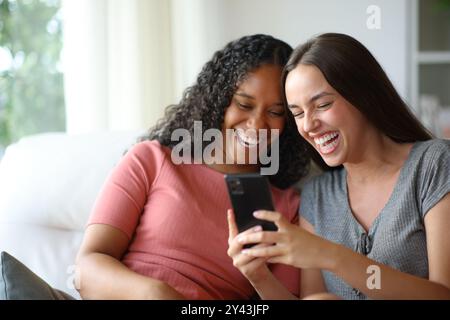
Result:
{"points": [[325, 138], [328, 148], [246, 140]]}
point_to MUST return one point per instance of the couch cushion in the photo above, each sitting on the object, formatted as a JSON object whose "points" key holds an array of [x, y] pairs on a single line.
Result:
{"points": [[17, 282], [49, 252], [53, 179]]}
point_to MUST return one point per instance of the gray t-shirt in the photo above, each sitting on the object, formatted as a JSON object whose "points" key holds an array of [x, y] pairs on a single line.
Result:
{"points": [[397, 236]]}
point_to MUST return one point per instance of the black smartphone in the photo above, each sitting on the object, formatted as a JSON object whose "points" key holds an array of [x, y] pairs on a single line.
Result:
{"points": [[248, 193]]}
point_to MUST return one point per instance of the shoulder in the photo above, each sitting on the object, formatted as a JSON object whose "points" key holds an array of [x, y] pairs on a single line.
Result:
{"points": [[289, 194], [429, 172], [286, 201], [148, 147], [430, 155], [324, 182], [320, 191], [146, 157], [432, 149]]}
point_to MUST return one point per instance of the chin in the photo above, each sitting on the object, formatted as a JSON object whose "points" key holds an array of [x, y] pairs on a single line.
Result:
{"points": [[333, 163], [334, 159]]}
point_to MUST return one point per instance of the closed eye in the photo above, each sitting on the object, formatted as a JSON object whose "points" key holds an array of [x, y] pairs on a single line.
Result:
{"points": [[243, 106], [325, 106], [298, 113], [277, 113]]}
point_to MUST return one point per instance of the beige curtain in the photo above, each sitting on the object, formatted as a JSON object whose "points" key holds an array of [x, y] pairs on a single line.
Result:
{"points": [[117, 61]]}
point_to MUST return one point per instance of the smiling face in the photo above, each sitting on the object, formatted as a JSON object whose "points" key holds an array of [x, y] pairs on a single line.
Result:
{"points": [[334, 127], [256, 104]]}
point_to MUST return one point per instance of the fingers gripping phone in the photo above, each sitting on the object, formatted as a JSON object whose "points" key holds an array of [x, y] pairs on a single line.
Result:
{"points": [[249, 193]]}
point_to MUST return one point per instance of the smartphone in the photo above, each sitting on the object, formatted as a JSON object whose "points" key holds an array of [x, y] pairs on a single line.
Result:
{"points": [[248, 193]]}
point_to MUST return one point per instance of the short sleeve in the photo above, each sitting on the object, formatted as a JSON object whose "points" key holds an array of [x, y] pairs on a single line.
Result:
{"points": [[125, 192], [306, 204], [436, 178]]}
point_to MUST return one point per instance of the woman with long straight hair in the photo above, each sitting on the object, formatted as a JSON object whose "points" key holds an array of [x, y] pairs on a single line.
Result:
{"points": [[376, 223]]}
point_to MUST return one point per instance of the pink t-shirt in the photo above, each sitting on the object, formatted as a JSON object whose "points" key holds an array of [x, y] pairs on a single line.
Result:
{"points": [[175, 217]]}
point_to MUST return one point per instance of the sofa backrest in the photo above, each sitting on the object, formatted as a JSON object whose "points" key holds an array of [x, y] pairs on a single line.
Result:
{"points": [[53, 179], [48, 185]]}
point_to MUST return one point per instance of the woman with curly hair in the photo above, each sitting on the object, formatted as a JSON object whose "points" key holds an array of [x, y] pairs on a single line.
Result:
{"points": [[158, 229]]}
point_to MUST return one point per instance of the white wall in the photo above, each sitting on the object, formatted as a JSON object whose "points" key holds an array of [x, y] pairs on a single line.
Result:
{"points": [[295, 21], [126, 60]]}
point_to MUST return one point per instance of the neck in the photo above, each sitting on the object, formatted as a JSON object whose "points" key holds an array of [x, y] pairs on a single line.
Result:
{"points": [[234, 168], [380, 158]]}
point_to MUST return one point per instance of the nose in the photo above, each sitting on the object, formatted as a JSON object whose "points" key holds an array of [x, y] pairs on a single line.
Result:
{"points": [[310, 123], [256, 122]]}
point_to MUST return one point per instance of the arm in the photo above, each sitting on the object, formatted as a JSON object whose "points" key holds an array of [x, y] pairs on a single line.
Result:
{"points": [[270, 288], [311, 279], [305, 250], [351, 267], [101, 275], [399, 285]]}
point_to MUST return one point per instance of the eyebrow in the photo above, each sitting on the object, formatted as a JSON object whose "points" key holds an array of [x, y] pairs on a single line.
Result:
{"points": [[242, 94], [314, 98]]}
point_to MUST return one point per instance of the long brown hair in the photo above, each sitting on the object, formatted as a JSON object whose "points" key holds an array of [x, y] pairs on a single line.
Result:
{"points": [[351, 70]]}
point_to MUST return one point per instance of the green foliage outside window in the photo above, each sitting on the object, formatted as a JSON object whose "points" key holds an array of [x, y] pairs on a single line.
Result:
{"points": [[31, 82], [444, 4]]}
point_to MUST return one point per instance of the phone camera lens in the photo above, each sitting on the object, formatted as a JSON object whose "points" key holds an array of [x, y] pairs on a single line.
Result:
{"points": [[236, 187]]}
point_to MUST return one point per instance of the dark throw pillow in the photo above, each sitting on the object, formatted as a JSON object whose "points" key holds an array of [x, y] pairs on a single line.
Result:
{"points": [[17, 282]]}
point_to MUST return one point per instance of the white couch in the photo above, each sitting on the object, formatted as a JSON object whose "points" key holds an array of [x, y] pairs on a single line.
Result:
{"points": [[48, 184]]}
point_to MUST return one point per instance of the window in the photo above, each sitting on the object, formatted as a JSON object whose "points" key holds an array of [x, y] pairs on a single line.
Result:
{"points": [[31, 80]]}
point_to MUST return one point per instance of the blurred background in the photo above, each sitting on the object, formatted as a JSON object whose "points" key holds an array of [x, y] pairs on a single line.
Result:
{"points": [[81, 66]]}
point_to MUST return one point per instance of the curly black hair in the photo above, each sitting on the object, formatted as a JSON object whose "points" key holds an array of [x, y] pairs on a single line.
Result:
{"points": [[209, 97]]}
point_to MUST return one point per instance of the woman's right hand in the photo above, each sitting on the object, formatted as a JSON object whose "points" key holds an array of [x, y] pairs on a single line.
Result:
{"points": [[254, 269]]}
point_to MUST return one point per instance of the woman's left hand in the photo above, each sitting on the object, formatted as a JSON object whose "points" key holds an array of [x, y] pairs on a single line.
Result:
{"points": [[292, 245]]}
